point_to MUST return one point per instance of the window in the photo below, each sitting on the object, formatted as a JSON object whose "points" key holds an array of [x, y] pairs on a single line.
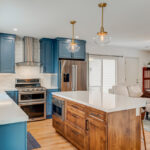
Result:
{"points": [[102, 73]]}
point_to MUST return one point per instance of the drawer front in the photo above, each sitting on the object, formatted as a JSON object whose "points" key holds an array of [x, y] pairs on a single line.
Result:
{"points": [[75, 136], [76, 119], [76, 107], [58, 124], [76, 110], [97, 114]]}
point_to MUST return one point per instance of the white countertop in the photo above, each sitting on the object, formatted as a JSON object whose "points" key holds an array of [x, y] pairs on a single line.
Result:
{"points": [[10, 112], [7, 89], [102, 101]]}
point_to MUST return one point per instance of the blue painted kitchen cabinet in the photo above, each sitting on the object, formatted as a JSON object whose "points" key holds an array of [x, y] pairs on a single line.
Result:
{"points": [[46, 55], [7, 53], [49, 102], [13, 136], [62, 44], [13, 95]]}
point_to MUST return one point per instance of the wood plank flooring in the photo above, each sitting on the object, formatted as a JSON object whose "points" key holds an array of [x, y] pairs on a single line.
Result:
{"points": [[45, 134]]}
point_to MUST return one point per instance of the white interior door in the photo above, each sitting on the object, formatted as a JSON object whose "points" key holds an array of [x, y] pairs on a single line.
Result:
{"points": [[131, 70]]}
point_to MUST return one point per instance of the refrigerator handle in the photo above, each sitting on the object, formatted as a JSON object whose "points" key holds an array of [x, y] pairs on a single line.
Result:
{"points": [[74, 77]]}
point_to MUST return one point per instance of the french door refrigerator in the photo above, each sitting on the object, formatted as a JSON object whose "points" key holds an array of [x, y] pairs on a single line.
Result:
{"points": [[73, 75]]}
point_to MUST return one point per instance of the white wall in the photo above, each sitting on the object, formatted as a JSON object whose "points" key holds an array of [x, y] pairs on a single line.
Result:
{"points": [[7, 81], [143, 56]]}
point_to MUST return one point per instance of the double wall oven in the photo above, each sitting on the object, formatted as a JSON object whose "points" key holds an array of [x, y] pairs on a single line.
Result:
{"points": [[32, 98]]}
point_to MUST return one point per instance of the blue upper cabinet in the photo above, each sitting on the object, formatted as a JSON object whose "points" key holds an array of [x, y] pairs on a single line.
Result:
{"points": [[81, 54], [62, 44], [62, 48], [47, 55], [7, 53]]}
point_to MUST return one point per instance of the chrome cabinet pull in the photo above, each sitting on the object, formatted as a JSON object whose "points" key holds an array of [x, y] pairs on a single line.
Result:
{"points": [[74, 115], [96, 118], [96, 115], [74, 106], [75, 132]]}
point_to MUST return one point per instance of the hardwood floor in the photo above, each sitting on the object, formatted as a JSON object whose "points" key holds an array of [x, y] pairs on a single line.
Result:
{"points": [[45, 134], [47, 137]]}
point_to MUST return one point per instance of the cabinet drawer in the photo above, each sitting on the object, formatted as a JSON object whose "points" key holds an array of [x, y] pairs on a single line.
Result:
{"points": [[76, 108], [76, 119], [75, 136], [58, 124], [97, 114]]}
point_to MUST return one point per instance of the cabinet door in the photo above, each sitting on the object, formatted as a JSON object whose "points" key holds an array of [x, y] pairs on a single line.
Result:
{"points": [[96, 133], [46, 55], [49, 102], [63, 51], [7, 55], [81, 53]]}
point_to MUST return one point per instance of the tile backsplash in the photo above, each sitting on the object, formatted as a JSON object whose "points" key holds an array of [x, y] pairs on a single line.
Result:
{"points": [[7, 81]]}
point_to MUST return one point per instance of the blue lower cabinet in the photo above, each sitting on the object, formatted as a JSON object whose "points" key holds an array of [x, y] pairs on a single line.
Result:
{"points": [[13, 136], [49, 102], [13, 95]]}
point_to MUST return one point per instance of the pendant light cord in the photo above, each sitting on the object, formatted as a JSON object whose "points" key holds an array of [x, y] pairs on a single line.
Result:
{"points": [[73, 33], [102, 16]]}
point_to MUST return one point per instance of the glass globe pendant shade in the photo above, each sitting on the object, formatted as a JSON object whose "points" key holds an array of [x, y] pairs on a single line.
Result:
{"points": [[73, 47], [102, 39]]}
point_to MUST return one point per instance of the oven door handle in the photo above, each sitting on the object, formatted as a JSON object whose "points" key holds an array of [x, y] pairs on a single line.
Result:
{"points": [[31, 103]]}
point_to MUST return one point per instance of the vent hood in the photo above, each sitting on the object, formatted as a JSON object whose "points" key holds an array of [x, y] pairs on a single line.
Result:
{"points": [[30, 51]]}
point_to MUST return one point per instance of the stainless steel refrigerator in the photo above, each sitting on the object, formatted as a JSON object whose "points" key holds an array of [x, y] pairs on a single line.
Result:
{"points": [[73, 75]]}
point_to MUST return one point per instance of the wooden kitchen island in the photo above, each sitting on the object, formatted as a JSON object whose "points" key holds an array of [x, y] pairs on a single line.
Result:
{"points": [[98, 121]]}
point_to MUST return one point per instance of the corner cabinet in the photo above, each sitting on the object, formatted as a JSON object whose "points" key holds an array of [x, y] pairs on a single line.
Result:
{"points": [[47, 55], [7, 53], [49, 102], [62, 44]]}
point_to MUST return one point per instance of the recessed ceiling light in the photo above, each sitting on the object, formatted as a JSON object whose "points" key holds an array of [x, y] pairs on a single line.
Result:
{"points": [[15, 29]]}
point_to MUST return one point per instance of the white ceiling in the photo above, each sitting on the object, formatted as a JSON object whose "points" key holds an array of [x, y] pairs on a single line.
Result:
{"points": [[127, 21]]}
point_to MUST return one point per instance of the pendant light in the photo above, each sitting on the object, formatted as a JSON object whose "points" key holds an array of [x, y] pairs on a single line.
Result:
{"points": [[102, 37], [73, 46]]}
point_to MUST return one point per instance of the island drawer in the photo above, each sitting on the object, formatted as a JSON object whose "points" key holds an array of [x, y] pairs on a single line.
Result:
{"points": [[76, 119], [75, 136], [58, 124], [76, 107], [97, 114]]}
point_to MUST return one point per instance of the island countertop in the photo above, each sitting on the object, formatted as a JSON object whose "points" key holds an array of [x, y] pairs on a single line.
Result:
{"points": [[10, 112], [103, 101]]}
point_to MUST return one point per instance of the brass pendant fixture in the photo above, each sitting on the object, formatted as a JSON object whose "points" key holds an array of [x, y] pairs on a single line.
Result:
{"points": [[102, 37], [73, 46]]}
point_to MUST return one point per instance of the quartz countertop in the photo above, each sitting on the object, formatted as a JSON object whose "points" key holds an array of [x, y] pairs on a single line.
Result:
{"points": [[10, 112], [7, 89], [102, 101]]}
